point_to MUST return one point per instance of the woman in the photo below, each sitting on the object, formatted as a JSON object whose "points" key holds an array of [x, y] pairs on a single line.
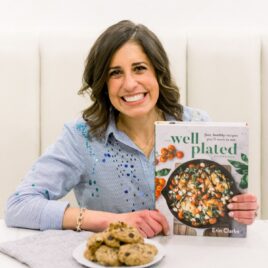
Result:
{"points": [[108, 157]]}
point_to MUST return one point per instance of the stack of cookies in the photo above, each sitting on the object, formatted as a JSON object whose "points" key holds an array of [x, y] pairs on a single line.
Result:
{"points": [[119, 245]]}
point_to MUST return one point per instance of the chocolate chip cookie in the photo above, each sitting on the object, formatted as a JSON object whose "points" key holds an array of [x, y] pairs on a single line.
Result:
{"points": [[95, 241], [136, 254], [107, 256], [111, 241], [119, 245], [89, 254], [125, 233]]}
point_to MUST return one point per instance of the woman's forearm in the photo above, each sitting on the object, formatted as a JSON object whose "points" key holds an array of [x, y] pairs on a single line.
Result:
{"points": [[92, 220], [33, 211], [149, 223]]}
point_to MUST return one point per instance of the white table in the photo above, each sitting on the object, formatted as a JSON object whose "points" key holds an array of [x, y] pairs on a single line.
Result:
{"points": [[187, 251]]}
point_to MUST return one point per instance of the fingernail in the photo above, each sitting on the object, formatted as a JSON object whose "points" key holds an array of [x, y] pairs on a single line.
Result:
{"points": [[234, 198], [230, 206], [231, 214]]}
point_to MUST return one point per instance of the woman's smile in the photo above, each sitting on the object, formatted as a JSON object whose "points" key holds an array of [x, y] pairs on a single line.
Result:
{"points": [[132, 84], [134, 99]]}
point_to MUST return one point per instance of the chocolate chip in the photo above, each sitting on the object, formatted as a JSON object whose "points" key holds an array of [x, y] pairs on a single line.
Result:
{"points": [[127, 254], [110, 237], [131, 235]]}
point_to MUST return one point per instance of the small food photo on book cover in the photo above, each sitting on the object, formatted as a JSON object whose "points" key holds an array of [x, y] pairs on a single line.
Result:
{"points": [[199, 167]]}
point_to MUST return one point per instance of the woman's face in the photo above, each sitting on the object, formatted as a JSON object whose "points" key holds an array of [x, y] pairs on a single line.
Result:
{"points": [[132, 84]]}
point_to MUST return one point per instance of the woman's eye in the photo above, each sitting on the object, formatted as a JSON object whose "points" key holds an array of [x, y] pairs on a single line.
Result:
{"points": [[114, 73], [139, 68]]}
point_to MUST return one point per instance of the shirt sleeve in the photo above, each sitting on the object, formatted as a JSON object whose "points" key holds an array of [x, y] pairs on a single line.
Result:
{"points": [[193, 114], [34, 205]]}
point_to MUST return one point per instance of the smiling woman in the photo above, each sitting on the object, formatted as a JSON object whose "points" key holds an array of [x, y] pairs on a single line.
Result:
{"points": [[133, 91], [130, 58], [132, 85], [107, 156]]}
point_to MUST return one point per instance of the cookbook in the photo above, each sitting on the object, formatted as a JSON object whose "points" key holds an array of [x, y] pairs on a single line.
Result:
{"points": [[199, 167]]}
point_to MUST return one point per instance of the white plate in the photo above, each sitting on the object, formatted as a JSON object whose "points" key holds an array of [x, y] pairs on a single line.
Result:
{"points": [[78, 254]]}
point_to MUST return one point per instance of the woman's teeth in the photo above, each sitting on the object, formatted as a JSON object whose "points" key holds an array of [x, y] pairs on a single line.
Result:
{"points": [[134, 98]]}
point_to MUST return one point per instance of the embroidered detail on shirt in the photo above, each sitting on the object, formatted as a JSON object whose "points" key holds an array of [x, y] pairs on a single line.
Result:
{"points": [[94, 188], [127, 174], [47, 194], [124, 170], [83, 129]]}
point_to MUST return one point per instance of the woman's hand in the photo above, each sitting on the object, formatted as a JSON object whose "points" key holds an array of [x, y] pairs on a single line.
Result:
{"points": [[149, 222], [243, 208]]}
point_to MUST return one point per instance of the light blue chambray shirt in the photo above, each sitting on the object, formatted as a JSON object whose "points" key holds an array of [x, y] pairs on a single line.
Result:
{"points": [[108, 175]]}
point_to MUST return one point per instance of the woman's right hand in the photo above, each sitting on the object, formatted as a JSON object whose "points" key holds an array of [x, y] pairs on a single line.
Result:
{"points": [[149, 222]]}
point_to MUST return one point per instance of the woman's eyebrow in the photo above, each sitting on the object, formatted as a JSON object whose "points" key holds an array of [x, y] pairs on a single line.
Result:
{"points": [[138, 63], [113, 67], [133, 64]]}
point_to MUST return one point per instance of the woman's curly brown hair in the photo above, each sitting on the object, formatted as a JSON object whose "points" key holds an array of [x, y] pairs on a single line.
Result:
{"points": [[98, 61]]}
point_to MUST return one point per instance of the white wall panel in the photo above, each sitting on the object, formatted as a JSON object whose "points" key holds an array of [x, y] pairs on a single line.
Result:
{"points": [[264, 118], [19, 109], [223, 78], [175, 46], [62, 65]]}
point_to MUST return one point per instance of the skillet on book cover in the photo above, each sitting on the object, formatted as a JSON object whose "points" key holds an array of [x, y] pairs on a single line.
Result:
{"points": [[198, 191]]}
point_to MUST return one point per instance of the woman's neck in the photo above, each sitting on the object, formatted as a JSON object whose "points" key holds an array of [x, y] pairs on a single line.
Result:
{"points": [[140, 130]]}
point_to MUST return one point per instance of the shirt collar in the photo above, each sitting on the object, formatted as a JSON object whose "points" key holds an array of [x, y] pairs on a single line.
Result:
{"points": [[113, 131]]}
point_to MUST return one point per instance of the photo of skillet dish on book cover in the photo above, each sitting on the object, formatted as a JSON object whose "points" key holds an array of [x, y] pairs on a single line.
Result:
{"points": [[199, 167]]}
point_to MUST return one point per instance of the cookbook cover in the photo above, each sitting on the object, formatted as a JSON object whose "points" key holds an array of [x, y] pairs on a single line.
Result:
{"points": [[199, 167]]}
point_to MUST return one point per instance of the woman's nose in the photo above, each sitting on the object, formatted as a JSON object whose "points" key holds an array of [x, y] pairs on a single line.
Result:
{"points": [[130, 82]]}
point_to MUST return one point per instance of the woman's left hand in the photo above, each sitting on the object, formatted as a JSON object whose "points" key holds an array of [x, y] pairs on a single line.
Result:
{"points": [[243, 208]]}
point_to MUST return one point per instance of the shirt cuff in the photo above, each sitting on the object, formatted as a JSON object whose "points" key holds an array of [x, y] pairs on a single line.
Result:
{"points": [[52, 215]]}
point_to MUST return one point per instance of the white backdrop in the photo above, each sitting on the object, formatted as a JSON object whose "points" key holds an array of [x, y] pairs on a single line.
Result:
{"points": [[28, 15]]}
